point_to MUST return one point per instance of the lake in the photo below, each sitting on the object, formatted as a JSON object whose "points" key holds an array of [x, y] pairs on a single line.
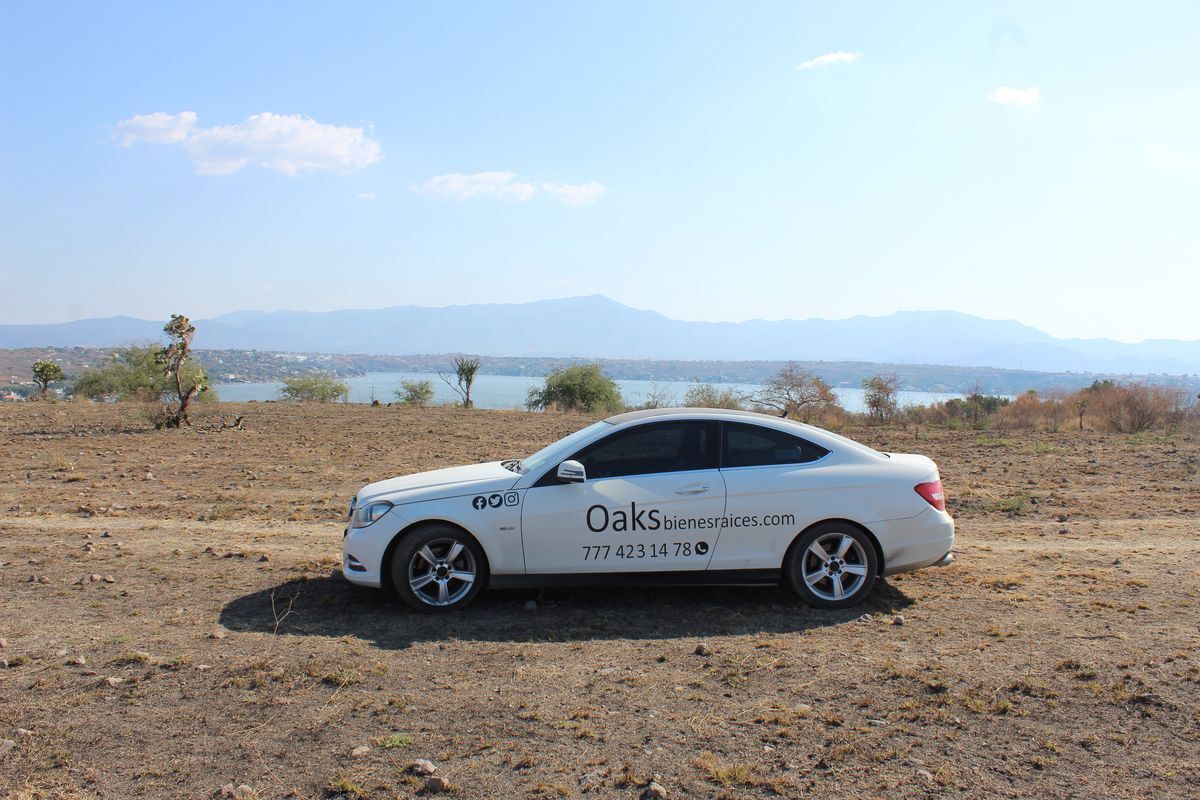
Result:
{"points": [[509, 391]]}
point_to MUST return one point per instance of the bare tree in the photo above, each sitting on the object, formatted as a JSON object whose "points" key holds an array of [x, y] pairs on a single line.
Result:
{"points": [[465, 369], [880, 397], [796, 393], [173, 358], [1081, 405]]}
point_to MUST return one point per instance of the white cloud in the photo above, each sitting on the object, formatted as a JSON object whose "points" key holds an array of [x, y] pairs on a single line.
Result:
{"points": [[1008, 96], [457, 186], [507, 186], [290, 144], [839, 57], [367, 195], [575, 194], [156, 128]]}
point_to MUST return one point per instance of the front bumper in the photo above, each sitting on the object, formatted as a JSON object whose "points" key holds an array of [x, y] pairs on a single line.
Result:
{"points": [[363, 549]]}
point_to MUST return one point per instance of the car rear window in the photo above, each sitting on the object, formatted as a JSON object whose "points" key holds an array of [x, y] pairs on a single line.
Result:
{"points": [[755, 446]]}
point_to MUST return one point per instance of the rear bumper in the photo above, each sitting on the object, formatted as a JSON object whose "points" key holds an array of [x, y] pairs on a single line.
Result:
{"points": [[925, 540]]}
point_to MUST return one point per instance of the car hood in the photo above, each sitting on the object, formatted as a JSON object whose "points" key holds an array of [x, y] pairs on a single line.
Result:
{"points": [[449, 482]]}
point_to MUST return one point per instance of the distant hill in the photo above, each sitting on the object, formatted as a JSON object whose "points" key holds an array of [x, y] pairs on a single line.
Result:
{"points": [[598, 327]]}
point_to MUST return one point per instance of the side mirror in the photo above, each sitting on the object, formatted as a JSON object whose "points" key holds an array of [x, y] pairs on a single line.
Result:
{"points": [[571, 472]]}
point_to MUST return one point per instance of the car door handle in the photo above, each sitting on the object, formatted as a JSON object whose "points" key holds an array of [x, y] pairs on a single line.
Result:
{"points": [[693, 488]]}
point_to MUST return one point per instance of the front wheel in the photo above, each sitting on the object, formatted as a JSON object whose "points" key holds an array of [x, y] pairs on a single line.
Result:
{"points": [[438, 568], [832, 566]]}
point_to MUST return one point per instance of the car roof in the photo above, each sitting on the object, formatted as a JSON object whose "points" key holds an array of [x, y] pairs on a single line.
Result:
{"points": [[690, 413]]}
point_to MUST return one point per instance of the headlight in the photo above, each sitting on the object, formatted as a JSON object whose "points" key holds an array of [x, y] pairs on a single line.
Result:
{"points": [[365, 515]]}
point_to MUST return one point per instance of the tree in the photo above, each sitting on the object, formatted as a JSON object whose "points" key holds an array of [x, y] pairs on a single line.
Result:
{"points": [[709, 395], [134, 372], [415, 393], [321, 388], [172, 359], [880, 397], [465, 369], [46, 372], [659, 396], [796, 393], [1081, 403], [580, 388]]}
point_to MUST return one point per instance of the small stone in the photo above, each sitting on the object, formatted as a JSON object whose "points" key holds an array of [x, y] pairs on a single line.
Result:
{"points": [[1061, 518], [655, 791], [114, 681], [360, 751], [898, 620], [3, 663], [94, 578], [925, 775], [43, 579], [264, 558], [703, 649], [1064, 531], [531, 605], [422, 768], [225, 791], [177, 551], [59, 653], [244, 792], [89, 548], [109, 579], [437, 784], [79, 661], [23, 733], [218, 634], [6, 745], [3, 643]]}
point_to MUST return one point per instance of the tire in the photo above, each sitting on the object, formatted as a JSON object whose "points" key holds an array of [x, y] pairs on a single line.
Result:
{"points": [[832, 565], [438, 568]]}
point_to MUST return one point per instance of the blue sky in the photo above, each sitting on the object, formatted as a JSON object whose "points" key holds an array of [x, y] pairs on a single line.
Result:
{"points": [[1031, 161]]}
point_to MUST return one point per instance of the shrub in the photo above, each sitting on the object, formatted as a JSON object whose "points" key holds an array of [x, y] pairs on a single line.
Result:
{"points": [[133, 373], [314, 388], [415, 393], [465, 370], [580, 388], [1137, 407], [880, 397], [709, 395]]}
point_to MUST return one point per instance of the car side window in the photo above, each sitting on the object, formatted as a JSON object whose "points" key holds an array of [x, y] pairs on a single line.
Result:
{"points": [[652, 448], [754, 446]]}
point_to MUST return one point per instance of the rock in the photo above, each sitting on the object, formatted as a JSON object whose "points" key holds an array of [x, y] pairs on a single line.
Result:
{"points": [[89, 548], [177, 551], [654, 791], [94, 578], [3, 663], [23, 733], [925, 775], [531, 605], [437, 784], [114, 681], [264, 558], [105, 535], [3, 643], [1061, 518], [1064, 531], [79, 661], [218, 634], [422, 768], [225, 791], [360, 751], [803, 708], [59, 653], [898, 619], [703, 649], [6, 745], [109, 579]]}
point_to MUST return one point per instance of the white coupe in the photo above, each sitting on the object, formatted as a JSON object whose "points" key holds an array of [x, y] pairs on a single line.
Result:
{"points": [[665, 496]]}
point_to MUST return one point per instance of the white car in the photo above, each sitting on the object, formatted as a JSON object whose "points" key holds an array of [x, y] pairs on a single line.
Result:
{"points": [[665, 496]]}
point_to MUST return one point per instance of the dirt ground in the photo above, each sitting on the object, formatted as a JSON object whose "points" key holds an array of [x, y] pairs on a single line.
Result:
{"points": [[172, 621]]}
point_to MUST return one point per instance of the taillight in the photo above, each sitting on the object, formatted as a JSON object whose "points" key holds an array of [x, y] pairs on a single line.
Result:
{"points": [[933, 494]]}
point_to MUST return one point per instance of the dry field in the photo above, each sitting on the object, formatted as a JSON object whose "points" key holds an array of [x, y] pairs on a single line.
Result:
{"points": [[211, 641]]}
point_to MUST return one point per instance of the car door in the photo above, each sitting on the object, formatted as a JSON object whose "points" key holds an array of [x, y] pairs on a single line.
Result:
{"points": [[653, 501], [773, 480]]}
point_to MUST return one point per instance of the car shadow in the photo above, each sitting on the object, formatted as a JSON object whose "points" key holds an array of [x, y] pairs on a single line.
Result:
{"points": [[331, 606]]}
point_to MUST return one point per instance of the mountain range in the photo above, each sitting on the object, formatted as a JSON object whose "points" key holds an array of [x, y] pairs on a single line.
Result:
{"points": [[598, 327]]}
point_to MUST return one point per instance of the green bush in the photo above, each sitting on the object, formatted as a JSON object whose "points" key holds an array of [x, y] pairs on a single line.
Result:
{"points": [[134, 372], [314, 388], [415, 393], [709, 395], [581, 388]]}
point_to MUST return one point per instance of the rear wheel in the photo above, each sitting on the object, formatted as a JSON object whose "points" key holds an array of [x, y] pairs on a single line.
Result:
{"points": [[438, 568], [832, 566]]}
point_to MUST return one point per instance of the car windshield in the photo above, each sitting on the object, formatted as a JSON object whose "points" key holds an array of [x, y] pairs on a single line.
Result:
{"points": [[562, 448]]}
